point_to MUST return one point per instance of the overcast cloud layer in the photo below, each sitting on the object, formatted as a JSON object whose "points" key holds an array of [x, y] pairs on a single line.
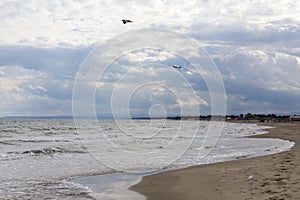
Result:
{"points": [[255, 45]]}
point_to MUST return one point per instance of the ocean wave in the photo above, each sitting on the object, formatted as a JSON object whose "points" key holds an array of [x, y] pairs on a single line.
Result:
{"points": [[6, 143], [36, 140], [39, 152], [42, 189], [53, 150]]}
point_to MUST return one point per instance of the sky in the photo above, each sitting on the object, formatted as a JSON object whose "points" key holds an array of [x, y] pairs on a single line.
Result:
{"points": [[255, 46]]}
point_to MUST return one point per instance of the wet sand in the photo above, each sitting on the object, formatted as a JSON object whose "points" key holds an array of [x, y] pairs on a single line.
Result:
{"points": [[275, 177]]}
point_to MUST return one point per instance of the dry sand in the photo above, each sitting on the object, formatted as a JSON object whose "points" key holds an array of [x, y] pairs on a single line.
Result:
{"points": [[275, 176]]}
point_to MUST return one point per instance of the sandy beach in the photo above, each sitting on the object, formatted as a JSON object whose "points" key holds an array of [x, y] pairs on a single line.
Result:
{"points": [[272, 177]]}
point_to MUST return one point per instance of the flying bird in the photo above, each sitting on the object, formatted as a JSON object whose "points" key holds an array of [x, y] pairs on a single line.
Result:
{"points": [[126, 21], [176, 66]]}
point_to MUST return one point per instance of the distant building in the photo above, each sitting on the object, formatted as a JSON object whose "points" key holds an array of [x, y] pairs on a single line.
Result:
{"points": [[249, 116], [295, 118]]}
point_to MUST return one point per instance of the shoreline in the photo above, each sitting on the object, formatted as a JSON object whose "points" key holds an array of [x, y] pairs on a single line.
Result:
{"points": [[275, 176]]}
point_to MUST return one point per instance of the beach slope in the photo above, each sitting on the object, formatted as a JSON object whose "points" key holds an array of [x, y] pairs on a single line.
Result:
{"points": [[271, 177]]}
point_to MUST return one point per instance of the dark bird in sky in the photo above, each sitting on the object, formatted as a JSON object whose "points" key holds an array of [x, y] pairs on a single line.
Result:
{"points": [[126, 21], [176, 66]]}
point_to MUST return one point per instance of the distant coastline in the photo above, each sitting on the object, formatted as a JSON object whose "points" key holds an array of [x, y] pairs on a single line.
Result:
{"points": [[247, 116], [37, 117]]}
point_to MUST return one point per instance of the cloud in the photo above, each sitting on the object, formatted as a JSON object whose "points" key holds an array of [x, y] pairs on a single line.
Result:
{"points": [[72, 23], [275, 71], [138, 88], [254, 80], [24, 91], [148, 55], [57, 23], [38, 81], [261, 80], [255, 45]]}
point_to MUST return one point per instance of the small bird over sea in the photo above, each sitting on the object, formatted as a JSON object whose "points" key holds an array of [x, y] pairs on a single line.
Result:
{"points": [[126, 21]]}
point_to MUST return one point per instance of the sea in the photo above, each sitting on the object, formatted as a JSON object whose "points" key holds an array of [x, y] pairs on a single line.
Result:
{"points": [[100, 159]]}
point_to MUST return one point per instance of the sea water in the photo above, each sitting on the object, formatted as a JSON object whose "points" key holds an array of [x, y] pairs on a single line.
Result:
{"points": [[55, 158]]}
